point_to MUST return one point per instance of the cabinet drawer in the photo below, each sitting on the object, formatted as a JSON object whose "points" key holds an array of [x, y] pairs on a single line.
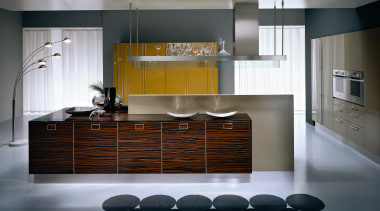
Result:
{"points": [[139, 147], [340, 126], [95, 147], [340, 103], [50, 148], [356, 134], [355, 114], [340, 111]]}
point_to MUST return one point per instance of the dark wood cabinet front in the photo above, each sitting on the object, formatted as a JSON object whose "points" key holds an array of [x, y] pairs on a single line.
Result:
{"points": [[229, 147], [139, 147], [183, 147], [95, 147], [50, 148]]}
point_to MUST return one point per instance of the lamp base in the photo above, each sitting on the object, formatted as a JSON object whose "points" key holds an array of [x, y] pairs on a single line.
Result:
{"points": [[17, 143]]}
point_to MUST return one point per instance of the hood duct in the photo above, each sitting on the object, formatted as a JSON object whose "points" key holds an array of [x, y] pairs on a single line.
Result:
{"points": [[247, 33], [246, 29], [246, 40]]}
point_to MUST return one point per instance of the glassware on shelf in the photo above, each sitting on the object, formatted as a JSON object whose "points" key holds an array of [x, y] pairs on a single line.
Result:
{"points": [[223, 52], [158, 47], [195, 51], [207, 50], [201, 49], [189, 47], [170, 49]]}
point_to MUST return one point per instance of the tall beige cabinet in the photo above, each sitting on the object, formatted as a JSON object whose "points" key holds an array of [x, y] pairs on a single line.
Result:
{"points": [[372, 89], [355, 51]]}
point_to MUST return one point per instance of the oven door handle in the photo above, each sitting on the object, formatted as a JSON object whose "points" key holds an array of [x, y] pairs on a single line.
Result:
{"points": [[358, 80]]}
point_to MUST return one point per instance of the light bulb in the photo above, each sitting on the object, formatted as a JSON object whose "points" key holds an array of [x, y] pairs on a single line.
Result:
{"points": [[42, 67], [42, 61], [66, 40], [48, 45]]}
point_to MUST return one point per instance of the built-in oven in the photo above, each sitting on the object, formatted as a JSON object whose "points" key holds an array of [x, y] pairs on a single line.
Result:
{"points": [[349, 86]]}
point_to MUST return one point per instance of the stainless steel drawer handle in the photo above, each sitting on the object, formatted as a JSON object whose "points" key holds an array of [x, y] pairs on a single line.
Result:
{"points": [[339, 121], [139, 126], [354, 115], [183, 126], [338, 103], [95, 126], [355, 108], [51, 127], [228, 126], [354, 128], [339, 109]]}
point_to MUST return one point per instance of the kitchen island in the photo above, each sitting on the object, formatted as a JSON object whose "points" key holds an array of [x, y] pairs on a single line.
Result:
{"points": [[121, 143]]}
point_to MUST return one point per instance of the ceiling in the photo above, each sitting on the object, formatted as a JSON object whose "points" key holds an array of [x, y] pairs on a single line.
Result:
{"points": [[35, 5]]}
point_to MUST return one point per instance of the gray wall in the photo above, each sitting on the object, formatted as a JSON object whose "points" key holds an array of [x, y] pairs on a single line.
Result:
{"points": [[326, 22], [10, 61], [160, 26], [170, 26]]}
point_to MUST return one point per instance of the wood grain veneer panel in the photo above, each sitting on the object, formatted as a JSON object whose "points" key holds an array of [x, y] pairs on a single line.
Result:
{"points": [[183, 150], [229, 147], [50, 148], [140, 147], [95, 149]]}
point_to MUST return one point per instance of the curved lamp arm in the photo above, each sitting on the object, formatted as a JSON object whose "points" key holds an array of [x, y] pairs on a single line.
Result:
{"points": [[46, 45]]}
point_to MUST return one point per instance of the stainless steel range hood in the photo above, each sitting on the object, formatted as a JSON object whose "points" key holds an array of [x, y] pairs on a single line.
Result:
{"points": [[246, 39]]}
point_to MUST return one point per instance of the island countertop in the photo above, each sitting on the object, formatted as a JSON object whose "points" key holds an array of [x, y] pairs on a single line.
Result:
{"points": [[62, 116]]}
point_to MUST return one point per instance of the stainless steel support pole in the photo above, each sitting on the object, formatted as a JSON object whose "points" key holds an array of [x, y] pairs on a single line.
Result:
{"points": [[130, 28], [274, 26], [137, 30]]}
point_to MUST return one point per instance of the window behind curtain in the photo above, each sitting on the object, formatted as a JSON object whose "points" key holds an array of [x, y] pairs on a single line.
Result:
{"points": [[66, 80], [288, 79]]}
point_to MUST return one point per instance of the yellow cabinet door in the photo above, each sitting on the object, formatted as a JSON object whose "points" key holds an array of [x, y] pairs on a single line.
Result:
{"points": [[154, 75], [197, 77], [129, 80], [175, 78]]}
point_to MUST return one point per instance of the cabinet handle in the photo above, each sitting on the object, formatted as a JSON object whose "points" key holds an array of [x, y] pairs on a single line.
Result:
{"points": [[339, 109], [339, 121], [95, 126], [354, 108], [183, 126], [354, 115], [354, 128], [51, 127], [139, 126], [228, 126], [338, 103]]}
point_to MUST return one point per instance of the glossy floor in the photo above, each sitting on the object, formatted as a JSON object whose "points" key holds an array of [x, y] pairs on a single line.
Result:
{"points": [[339, 176]]}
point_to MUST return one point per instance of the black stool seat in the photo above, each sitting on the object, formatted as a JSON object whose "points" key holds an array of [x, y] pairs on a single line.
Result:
{"points": [[305, 202], [230, 202], [157, 203], [121, 202], [194, 203], [266, 202]]}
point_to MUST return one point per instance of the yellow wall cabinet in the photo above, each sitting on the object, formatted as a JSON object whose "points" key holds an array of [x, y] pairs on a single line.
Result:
{"points": [[182, 77]]}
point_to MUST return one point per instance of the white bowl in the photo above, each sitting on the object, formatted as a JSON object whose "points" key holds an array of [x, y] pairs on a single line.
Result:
{"points": [[181, 115], [221, 114]]}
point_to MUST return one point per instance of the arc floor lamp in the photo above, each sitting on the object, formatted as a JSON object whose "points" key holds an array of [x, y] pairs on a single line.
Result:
{"points": [[28, 66]]}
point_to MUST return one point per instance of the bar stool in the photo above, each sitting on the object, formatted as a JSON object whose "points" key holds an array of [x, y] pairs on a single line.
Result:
{"points": [[305, 202], [121, 202], [157, 203], [266, 202], [230, 203], [194, 203]]}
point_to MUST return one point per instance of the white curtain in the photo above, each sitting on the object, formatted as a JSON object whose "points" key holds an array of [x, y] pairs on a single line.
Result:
{"points": [[66, 80], [252, 78]]}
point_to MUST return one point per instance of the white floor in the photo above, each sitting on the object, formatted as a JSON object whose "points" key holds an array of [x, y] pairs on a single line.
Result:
{"points": [[339, 176]]}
